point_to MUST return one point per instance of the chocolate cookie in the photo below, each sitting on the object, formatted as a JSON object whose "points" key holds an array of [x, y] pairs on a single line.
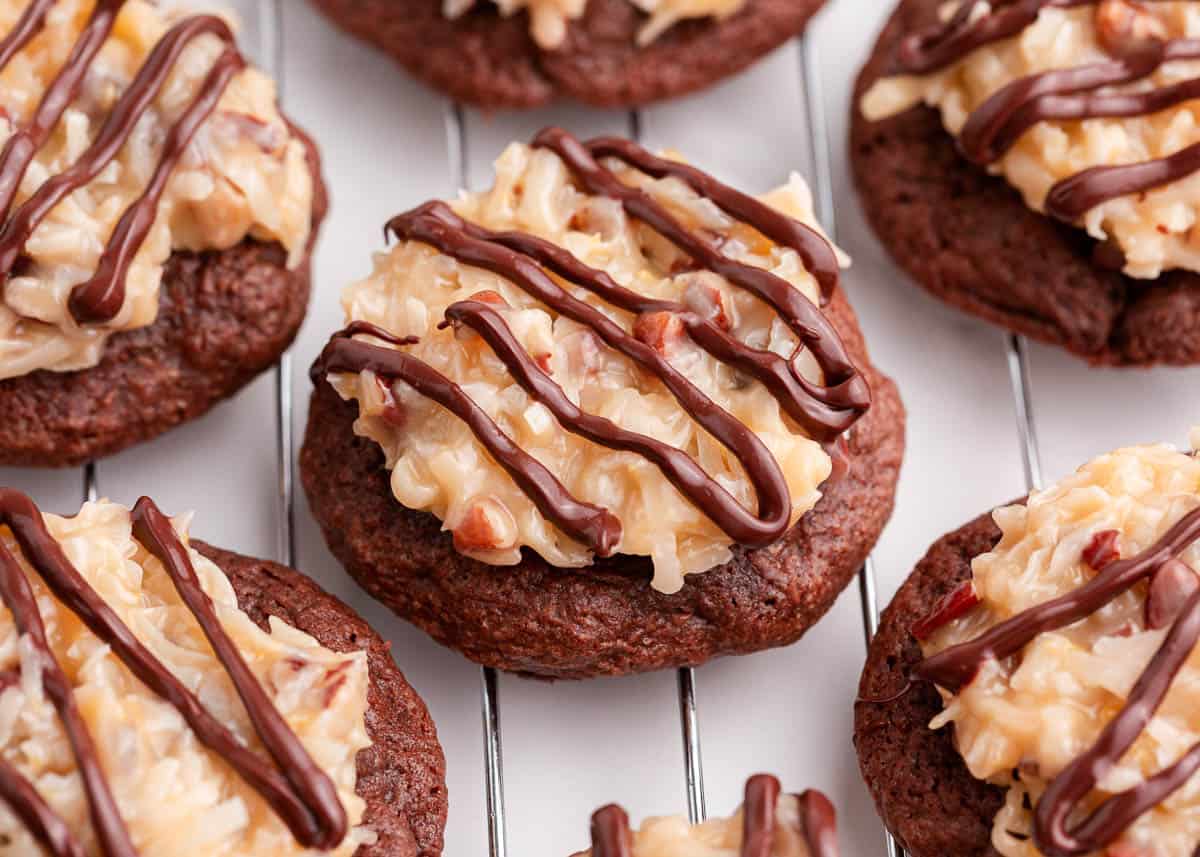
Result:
{"points": [[492, 61], [922, 789], [173, 345], [224, 317], [969, 238], [550, 622], [402, 776], [686, 454], [768, 823], [172, 685]]}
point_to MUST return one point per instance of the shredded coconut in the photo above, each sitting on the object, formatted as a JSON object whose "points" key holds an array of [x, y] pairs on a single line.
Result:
{"points": [[1021, 721], [175, 796], [244, 174], [437, 464], [1154, 229]]}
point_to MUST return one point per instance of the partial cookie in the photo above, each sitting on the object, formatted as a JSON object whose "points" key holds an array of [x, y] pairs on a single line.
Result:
{"points": [[530, 544], [109, 345], [1031, 690], [970, 239], [493, 61], [923, 791], [768, 824], [402, 775], [301, 674]]}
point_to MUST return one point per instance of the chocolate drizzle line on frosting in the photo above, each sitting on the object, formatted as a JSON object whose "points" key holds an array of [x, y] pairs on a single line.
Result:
{"points": [[100, 298], [1063, 94], [590, 524], [612, 836], [301, 794], [1056, 833], [824, 411]]}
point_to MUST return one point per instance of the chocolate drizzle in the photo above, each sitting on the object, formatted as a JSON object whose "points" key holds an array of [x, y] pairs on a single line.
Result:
{"points": [[589, 524], [824, 411], [101, 297], [1057, 831], [1064, 94], [302, 795], [817, 824]]}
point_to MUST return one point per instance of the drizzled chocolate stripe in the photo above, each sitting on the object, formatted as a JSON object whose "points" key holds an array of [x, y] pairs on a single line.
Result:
{"points": [[819, 821], [805, 320], [824, 412], [943, 45], [1054, 833], [100, 298], [774, 501], [308, 782], [17, 595], [39, 818], [25, 141], [758, 815], [612, 837], [814, 250], [28, 26], [593, 526], [305, 798], [1063, 94]]}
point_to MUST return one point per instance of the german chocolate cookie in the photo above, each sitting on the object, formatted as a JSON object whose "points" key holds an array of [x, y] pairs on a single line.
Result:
{"points": [[923, 790], [982, 241], [603, 52], [207, 700], [402, 775], [1030, 692], [768, 824], [157, 270], [615, 535]]}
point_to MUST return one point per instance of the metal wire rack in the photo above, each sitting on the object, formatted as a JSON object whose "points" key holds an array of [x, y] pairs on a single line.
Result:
{"points": [[269, 26]]}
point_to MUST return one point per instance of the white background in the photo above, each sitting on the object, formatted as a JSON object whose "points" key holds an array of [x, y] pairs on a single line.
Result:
{"points": [[571, 747]]}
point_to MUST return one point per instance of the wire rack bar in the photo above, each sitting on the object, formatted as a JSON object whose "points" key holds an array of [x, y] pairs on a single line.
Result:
{"points": [[270, 57], [826, 211], [685, 677], [1017, 350], [489, 691]]}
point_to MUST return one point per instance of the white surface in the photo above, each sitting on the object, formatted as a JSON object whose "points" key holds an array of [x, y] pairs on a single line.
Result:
{"points": [[572, 747]]}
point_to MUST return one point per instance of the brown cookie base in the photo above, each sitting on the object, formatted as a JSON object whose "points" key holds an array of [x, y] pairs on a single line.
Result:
{"points": [[922, 788], [969, 239], [402, 776], [485, 59], [543, 621], [223, 318]]}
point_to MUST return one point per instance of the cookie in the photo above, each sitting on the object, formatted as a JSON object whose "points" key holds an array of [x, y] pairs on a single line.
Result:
{"points": [[1092, 582], [603, 52], [969, 237], [768, 824], [612, 536], [297, 669], [924, 793], [189, 288]]}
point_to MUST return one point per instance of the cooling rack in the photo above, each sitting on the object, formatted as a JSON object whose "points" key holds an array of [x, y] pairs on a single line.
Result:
{"points": [[966, 385]]}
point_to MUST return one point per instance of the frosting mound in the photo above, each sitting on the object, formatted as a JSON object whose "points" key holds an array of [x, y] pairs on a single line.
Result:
{"points": [[438, 464], [243, 174], [1023, 720], [1116, 40], [768, 824], [176, 798]]}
